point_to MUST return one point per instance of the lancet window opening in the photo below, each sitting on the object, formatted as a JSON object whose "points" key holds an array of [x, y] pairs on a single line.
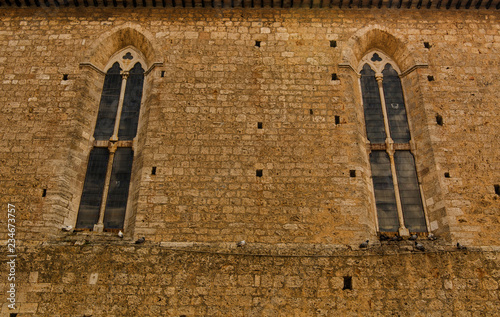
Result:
{"points": [[104, 198], [397, 191]]}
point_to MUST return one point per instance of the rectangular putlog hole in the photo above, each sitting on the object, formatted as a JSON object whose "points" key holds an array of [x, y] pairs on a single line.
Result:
{"points": [[352, 173], [430, 78], [153, 170], [427, 45], [257, 43], [497, 189], [439, 119], [258, 173], [259, 125], [44, 193], [333, 43], [347, 283], [447, 175], [162, 74], [335, 77], [337, 119]]}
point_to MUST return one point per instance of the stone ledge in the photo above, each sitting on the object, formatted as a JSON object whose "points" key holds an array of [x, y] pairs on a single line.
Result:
{"points": [[390, 248]]}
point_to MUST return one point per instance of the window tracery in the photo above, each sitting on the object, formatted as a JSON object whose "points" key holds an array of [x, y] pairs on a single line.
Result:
{"points": [[105, 191], [396, 188]]}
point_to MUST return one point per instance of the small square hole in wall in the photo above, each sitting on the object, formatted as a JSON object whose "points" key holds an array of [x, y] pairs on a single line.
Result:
{"points": [[347, 283], [44, 193], [447, 175], [427, 45], [439, 119], [430, 78], [311, 111], [257, 43], [162, 73], [258, 173], [352, 173], [259, 125], [153, 170], [335, 77], [333, 43], [337, 119], [65, 77], [497, 189], [13, 315]]}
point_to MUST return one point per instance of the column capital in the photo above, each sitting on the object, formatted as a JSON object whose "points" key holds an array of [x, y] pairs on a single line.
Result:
{"points": [[389, 144], [112, 146], [125, 74]]}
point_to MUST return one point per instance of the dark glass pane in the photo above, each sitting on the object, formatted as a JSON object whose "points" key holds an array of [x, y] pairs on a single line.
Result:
{"points": [[374, 118], [88, 214], [109, 104], [413, 210], [395, 105], [116, 204], [131, 104], [384, 191]]}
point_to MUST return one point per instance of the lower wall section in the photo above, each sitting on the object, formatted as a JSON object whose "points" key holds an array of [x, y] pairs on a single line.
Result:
{"points": [[144, 280]]}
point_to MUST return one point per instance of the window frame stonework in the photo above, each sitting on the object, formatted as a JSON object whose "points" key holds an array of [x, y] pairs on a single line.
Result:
{"points": [[377, 65], [114, 143]]}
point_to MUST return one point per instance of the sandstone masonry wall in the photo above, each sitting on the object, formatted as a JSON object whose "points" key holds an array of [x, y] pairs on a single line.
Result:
{"points": [[207, 87], [198, 125], [124, 280]]}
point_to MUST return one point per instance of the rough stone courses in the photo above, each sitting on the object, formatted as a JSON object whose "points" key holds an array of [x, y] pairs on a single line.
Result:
{"points": [[199, 121], [304, 218], [113, 280]]}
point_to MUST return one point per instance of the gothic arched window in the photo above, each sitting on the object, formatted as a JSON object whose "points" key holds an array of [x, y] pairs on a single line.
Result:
{"points": [[105, 191], [396, 187]]}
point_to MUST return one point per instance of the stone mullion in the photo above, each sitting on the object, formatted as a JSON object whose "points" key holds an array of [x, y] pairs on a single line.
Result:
{"points": [[114, 137], [379, 79], [99, 227], [403, 231], [113, 145]]}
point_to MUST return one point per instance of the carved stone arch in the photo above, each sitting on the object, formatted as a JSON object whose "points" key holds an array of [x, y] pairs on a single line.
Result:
{"points": [[378, 38], [115, 40]]}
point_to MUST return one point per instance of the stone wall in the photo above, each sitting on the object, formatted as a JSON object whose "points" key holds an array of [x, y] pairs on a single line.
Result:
{"points": [[207, 87], [115, 279], [199, 121]]}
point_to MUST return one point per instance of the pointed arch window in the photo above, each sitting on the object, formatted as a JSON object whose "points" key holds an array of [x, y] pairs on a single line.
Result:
{"points": [[397, 191], [105, 191]]}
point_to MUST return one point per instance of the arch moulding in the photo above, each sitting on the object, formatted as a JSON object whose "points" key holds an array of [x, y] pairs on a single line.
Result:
{"points": [[118, 38], [378, 38]]}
